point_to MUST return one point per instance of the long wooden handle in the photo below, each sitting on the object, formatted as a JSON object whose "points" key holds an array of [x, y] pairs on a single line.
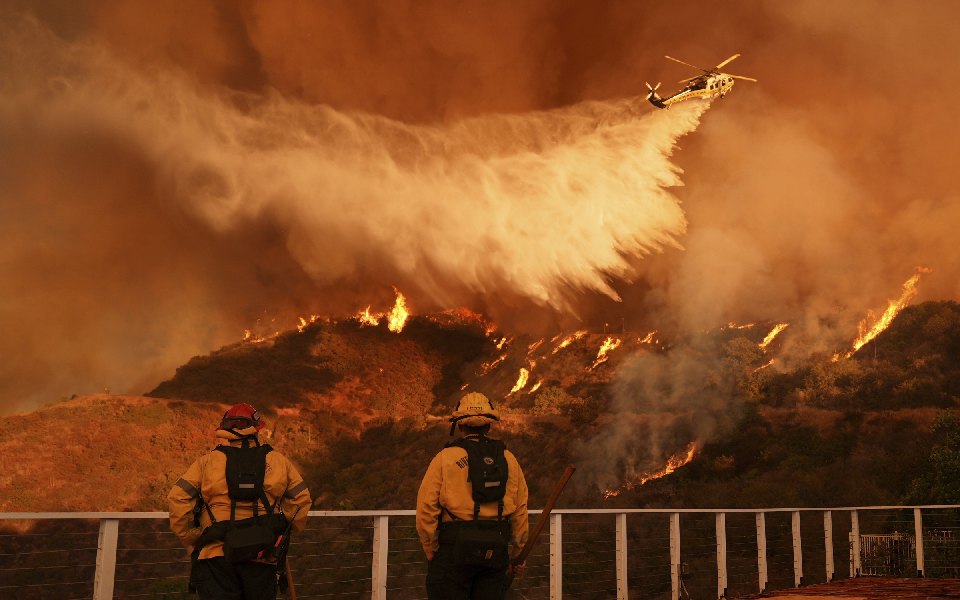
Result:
{"points": [[544, 516], [291, 589]]}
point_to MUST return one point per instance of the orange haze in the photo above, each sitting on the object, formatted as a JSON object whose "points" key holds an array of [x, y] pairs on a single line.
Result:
{"points": [[171, 172]]}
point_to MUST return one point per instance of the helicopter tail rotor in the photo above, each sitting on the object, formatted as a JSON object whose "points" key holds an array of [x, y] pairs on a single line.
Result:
{"points": [[653, 89]]}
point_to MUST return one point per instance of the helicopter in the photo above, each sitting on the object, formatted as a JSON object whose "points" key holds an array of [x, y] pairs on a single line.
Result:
{"points": [[711, 84]]}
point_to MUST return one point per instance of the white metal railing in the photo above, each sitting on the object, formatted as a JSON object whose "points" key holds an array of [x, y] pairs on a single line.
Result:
{"points": [[380, 522]]}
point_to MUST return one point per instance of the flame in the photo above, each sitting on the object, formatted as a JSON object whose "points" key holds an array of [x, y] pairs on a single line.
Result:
{"points": [[650, 339], [673, 463], [396, 318], [305, 322], [533, 347], [609, 345], [398, 314], [868, 333], [521, 381], [773, 334], [367, 319], [732, 325], [489, 366], [252, 338], [765, 365], [536, 387], [501, 343], [569, 340]]}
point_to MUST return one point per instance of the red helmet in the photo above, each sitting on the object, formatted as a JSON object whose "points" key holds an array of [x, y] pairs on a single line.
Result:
{"points": [[241, 416]]}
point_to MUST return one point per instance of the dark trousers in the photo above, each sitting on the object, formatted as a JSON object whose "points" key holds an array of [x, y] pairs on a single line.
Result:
{"points": [[219, 579], [446, 581]]}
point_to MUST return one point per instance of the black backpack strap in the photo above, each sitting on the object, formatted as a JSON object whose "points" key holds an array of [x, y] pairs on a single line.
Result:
{"points": [[267, 506], [266, 503], [481, 439]]}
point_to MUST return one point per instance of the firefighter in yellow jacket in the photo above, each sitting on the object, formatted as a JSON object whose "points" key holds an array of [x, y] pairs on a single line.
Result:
{"points": [[234, 509], [472, 509]]}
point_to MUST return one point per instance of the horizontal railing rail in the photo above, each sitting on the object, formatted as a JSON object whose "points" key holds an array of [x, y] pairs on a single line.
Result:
{"points": [[587, 553]]}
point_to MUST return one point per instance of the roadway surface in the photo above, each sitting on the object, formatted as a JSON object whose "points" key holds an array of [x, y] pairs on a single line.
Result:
{"points": [[875, 588]]}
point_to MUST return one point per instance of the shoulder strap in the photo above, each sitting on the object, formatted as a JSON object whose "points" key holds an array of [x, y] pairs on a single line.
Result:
{"points": [[265, 449]]}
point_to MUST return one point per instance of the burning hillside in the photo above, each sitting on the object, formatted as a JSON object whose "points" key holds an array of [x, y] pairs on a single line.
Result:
{"points": [[397, 363], [681, 393], [339, 393]]}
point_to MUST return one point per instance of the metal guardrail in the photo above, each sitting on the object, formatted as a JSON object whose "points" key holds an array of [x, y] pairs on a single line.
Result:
{"points": [[617, 566]]}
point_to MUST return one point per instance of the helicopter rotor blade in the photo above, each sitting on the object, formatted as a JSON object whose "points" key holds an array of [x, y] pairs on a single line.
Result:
{"points": [[688, 80], [740, 77], [686, 63], [729, 60]]}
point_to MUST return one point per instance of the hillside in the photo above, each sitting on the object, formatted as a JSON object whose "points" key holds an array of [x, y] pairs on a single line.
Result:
{"points": [[361, 410]]}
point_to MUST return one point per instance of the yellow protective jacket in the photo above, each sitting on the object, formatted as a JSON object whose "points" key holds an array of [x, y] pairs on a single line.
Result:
{"points": [[445, 484], [207, 477]]}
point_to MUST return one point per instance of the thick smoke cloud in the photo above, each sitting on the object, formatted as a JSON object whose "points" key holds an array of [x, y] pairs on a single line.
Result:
{"points": [[155, 157], [443, 211]]}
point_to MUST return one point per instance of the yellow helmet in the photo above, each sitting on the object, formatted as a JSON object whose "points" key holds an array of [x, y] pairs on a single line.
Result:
{"points": [[474, 410]]}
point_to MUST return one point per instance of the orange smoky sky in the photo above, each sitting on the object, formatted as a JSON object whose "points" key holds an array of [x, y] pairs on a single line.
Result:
{"points": [[171, 172]]}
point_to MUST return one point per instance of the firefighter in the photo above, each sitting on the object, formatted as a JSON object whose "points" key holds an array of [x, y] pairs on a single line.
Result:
{"points": [[472, 509], [233, 508]]}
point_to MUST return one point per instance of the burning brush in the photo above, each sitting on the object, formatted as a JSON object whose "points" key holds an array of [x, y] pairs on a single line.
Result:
{"points": [[396, 318], [673, 463], [867, 333]]}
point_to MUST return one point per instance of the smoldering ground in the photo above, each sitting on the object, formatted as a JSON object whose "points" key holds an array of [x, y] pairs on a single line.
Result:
{"points": [[162, 153]]}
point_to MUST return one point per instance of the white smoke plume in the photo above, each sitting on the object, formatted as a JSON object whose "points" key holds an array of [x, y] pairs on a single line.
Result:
{"points": [[538, 206]]}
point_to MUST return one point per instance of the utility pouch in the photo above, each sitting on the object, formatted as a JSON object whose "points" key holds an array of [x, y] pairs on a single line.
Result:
{"points": [[481, 543], [213, 533], [249, 539]]}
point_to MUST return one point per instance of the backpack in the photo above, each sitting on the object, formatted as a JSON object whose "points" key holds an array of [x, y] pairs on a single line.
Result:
{"points": [[254, 537], [483, 543], [487, 471]]}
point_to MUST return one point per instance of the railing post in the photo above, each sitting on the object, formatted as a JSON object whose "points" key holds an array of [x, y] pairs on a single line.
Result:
{"points": [[797, 550], [106, 559], [762, 550], [622, 581], [854, 544], [918, 536], [828, 542], [556, 556], [675, 565], [381, 541], [721, 555]]}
